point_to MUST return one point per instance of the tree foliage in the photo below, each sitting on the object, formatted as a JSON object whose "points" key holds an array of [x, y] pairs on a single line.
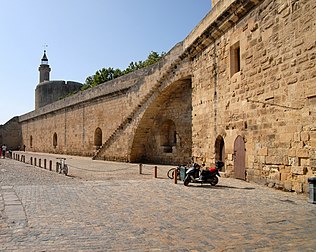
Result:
{"points": [[107, 74]]}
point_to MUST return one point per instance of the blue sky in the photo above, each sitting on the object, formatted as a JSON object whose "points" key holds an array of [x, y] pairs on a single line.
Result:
{"points": [[83, 36]]}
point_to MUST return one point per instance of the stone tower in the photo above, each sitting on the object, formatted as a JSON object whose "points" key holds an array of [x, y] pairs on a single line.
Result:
{"points": [[48, 91], [44, 69]]}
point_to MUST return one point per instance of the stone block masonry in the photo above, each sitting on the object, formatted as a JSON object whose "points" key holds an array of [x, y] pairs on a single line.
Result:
{"points": [[267, 100], [240, 88]]}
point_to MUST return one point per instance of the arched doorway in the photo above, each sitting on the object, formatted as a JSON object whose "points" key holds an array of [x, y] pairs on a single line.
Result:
{"points": [[31, 141], [220, 150], [168, 136], [240, 158], [98, 137], [55, 140], [157, 141]]}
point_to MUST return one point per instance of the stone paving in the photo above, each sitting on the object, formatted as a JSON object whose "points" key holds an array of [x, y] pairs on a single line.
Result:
{"points": [[97, 208]]}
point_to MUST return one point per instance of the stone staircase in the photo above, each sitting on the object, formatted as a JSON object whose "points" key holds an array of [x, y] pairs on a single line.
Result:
{"points": [[142, 105]]}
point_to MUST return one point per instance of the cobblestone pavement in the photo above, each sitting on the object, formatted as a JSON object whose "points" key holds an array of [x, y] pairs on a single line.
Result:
{"points": [[97, 209]]}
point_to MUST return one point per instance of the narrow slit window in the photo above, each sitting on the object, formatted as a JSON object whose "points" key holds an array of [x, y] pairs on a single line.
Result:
{"points": [[55, 140], [234, 58], [31, 141]]}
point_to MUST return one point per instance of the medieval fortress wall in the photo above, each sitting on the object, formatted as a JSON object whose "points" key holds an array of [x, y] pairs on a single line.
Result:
{"points": [[70, 125], [241, 88], [269, 100]]}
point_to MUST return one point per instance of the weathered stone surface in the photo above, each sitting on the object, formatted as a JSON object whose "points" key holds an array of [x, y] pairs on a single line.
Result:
{"points": [[301, 170], [249, 75], [287, 185]]}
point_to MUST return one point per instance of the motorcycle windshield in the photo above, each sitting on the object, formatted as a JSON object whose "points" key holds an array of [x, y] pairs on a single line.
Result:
{"points": [[190, 171]]}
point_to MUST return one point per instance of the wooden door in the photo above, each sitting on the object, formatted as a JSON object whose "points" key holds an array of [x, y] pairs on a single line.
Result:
{"points": [[240, 158]]}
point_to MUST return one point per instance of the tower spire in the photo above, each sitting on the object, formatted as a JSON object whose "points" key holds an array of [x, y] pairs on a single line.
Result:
{"points": [[44, 60], [44, 69]]}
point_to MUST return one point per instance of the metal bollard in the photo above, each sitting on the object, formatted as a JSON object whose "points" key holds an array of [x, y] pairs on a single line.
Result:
{"points": [[312, 190], [140, 168], [175, 176], [155, 171]]}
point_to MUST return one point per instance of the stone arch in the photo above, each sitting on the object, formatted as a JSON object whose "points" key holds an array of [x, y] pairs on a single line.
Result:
{"points": [[175, 102], [220, 149], [55, 140], [98, 137]]}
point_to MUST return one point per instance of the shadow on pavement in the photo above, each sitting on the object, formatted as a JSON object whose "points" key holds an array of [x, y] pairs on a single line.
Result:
{"points": [[218, 187]]}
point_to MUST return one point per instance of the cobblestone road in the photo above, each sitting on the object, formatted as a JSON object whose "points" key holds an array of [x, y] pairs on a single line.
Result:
{"points": [[96, 209]]}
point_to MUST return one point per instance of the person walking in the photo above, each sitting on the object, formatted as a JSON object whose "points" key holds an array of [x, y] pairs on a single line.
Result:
{"points": [[4, 150]]}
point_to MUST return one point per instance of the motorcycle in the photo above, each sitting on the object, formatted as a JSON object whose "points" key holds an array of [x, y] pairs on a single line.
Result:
{"points": [[195, 175]]}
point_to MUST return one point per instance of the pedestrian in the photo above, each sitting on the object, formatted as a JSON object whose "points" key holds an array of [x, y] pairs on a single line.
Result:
{"points": [[4, 150]]}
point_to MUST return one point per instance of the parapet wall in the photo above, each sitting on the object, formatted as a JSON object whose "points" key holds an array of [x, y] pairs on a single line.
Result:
{"points": [[70, 125], [109, 88]]}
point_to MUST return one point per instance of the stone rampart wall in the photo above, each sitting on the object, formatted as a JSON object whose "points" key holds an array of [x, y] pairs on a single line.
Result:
{"points": [[69, 125], [269, 101], [241, 88]]}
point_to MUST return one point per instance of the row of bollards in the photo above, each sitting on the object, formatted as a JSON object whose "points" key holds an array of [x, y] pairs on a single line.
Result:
{"points": [[47, 164], [155, 173]]}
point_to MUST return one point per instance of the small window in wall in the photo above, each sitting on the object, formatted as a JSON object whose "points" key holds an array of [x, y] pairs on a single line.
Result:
{"points": [[168, 136], [31, 141], [98, 137], [234, 58], [55, 140]]}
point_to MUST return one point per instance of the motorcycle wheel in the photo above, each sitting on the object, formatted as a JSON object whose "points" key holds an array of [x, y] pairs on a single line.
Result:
{"points": [[214, 181], [187, 180]]}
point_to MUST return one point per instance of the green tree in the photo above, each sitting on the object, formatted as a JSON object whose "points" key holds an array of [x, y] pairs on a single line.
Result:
{"points": [[152, 58], [107, 74]]}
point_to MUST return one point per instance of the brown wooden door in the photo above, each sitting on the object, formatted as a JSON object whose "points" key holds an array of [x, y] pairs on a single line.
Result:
{"points": [[239, 158]]}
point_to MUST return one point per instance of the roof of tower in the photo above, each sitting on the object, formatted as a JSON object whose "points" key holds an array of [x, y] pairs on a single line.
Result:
{"points": [[44, 58]]}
